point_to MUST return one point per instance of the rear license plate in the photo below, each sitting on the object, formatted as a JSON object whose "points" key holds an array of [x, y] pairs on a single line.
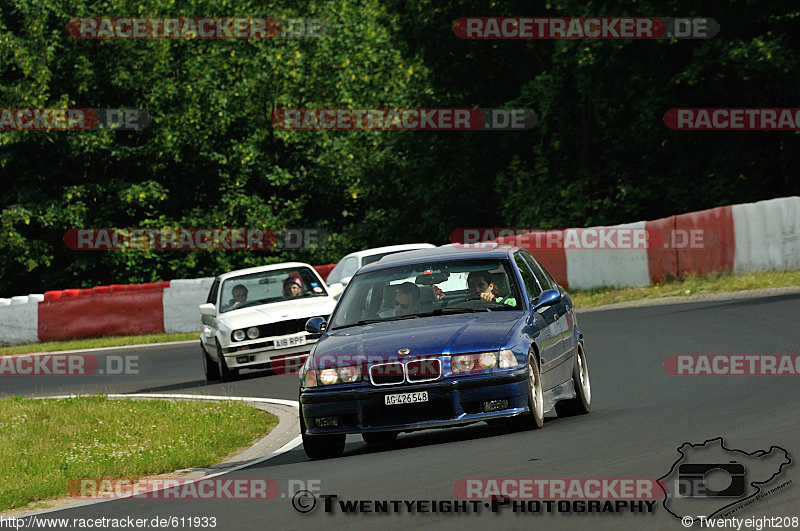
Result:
{"points": [[406, 398], [290, 341]]}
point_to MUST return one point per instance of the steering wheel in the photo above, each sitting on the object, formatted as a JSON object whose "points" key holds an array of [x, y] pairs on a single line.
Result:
{"points": [[464, 299]]}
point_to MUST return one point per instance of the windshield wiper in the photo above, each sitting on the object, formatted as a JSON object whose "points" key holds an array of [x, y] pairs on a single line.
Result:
{"points": [[386, 320], [443, 311]]}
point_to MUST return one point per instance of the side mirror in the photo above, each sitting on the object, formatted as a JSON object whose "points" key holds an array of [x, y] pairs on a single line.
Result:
{"points": [[316, 325], [346, 280], [334, 290], [208, 309], [548, 297]]}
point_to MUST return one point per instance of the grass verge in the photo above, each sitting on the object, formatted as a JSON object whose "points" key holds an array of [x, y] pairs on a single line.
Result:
{"points": [[97, 342], [46, 443], [687, 286]]}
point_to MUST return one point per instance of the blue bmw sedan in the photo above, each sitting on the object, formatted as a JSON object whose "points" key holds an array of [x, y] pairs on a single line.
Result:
{"points": [[442, 337]]}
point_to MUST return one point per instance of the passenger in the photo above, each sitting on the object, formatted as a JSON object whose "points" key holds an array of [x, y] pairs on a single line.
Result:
{"points": [[292, 288], [480, 283]]}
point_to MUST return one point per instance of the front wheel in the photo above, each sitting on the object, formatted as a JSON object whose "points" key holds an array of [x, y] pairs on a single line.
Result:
{"points": [[534, 418], [210, 367], [582, 403], [226, 374]]}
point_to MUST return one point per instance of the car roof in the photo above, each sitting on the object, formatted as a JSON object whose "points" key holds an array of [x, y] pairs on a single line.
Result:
{"points": [[390, 248], [259, 269], [445, 252]]}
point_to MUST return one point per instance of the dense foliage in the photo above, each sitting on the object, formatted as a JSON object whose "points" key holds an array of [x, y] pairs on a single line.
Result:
{"points": [[211, 158]]}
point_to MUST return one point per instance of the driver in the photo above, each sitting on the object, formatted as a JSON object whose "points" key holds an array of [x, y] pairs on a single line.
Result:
{"points": [[239, 297], [480, 284]]}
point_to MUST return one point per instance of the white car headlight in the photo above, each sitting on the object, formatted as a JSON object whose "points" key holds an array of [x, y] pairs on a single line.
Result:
{"points": [[328, 376], [252, 332], [488, 360], [238, 335]]}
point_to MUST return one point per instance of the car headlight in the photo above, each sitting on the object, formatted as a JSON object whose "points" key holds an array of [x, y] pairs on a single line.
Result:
{"points": [[488, 360], [348, 374], [238, 335], [328, 376], [480, 362], [252, 332]]}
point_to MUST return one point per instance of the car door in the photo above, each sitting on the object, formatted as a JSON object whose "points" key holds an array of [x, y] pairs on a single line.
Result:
{"points": [[209, 323], [566, 321], [545, 326]]}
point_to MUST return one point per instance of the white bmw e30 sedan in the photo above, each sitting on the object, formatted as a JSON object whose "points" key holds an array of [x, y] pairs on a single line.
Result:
{"points": [[255, 318]]}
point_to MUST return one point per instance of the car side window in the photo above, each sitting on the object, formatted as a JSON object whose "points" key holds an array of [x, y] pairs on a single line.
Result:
{"points": [[531, 284], [212, 294], [349, 267], [538, 271]]}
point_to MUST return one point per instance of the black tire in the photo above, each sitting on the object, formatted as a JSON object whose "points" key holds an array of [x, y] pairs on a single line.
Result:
{"points": [[381, 437], [321, 446], [225, 374], [210, 367], [534, 418], [582, 403]]}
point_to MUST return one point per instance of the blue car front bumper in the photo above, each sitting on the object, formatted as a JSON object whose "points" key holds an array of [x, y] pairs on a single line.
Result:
{"points": [[451, 401]]}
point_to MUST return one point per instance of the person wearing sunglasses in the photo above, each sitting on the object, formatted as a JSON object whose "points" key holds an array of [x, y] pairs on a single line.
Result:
{"points": [[406, 299]]}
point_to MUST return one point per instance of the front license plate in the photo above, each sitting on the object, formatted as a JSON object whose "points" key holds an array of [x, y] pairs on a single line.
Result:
{"points": [[290, 341], [406, 398]]}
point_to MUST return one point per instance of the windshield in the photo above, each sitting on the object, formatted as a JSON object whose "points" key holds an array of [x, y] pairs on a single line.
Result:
{"points": [[269, 286], [406, 292]]}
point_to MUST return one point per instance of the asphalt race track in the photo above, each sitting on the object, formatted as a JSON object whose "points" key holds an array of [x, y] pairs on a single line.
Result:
{"points": [[640, 416]]}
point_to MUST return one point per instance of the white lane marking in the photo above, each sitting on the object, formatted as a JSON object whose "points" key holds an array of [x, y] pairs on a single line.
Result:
{"points": [[101, 349], [282, 450]]}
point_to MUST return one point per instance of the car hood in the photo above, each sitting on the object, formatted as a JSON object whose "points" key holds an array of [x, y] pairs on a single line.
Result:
{"points": [[424, 336], [278, 311]]}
